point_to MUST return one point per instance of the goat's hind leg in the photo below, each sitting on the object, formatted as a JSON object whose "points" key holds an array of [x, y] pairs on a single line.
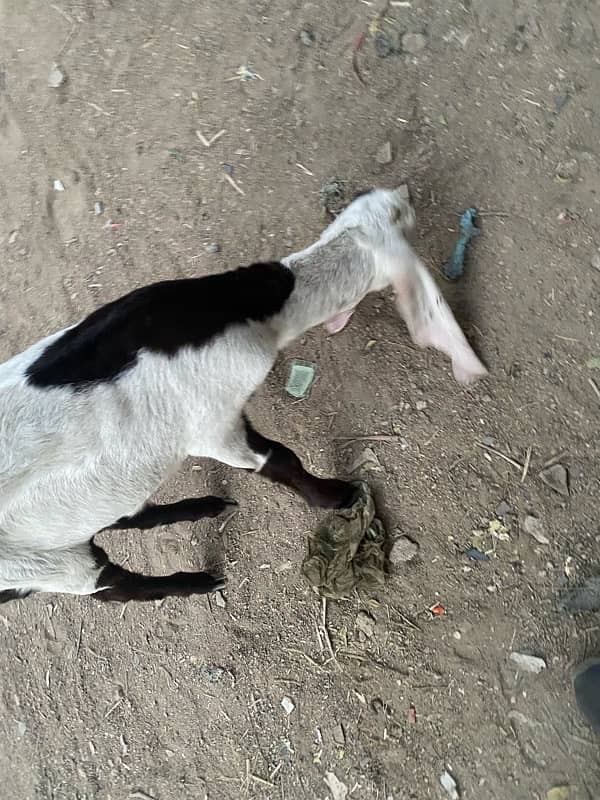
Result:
{"points": [[190, 510], [115, 583], [86, 570]]}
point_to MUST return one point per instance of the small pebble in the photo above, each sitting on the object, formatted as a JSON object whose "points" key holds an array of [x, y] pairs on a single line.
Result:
{"points": [[365, 624], [211, 673], [528, 663], [502, 509], [288, 705], [384, 154], [596, 261], [213, 248], [421, 405], [98, 208], [58, 186], [12, 237], [557, 478], [533, 526], [220, 600], [307, 37], [339, 735], [413, 43], [403, 549], [56, 78]]}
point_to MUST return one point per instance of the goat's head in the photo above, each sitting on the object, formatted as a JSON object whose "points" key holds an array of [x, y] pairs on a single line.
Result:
{"points": [[378, 221]]}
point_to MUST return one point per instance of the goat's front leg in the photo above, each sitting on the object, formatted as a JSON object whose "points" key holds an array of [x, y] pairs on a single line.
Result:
{"points": [[190, 510], [248, 449]]}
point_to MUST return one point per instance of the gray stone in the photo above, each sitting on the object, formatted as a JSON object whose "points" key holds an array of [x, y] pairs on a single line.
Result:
{"points": [[403, 550], [557, 478], [365, 624], [534, 527], [502, 509]]}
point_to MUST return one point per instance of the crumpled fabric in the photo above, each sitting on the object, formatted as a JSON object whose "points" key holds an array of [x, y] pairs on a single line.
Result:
{"points": [[347, 550]]}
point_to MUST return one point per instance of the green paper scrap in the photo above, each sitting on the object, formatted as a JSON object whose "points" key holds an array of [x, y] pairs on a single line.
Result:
{"points": [[300, 378]]}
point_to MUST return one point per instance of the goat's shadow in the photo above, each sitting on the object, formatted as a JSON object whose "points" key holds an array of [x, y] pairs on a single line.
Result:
{"points": [[211, 534]]}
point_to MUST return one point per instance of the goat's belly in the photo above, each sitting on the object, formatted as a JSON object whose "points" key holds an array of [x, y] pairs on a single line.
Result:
{"points": [[68, 506]]}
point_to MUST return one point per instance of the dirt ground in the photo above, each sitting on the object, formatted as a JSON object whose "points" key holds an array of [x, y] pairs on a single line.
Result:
{"points": [[497, 106]]}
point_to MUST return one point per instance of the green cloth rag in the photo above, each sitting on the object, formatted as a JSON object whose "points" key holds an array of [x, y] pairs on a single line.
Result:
{"points": [[347, 549]]}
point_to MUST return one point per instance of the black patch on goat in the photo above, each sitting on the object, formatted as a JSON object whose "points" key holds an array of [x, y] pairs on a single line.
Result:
{"points": [[162, 318]]}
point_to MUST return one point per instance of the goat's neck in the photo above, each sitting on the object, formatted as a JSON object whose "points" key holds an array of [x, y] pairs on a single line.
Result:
{"points": [[330, 278]]}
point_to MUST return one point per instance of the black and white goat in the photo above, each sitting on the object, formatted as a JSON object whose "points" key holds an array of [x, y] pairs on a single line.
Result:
{"points": [[95, 417]]}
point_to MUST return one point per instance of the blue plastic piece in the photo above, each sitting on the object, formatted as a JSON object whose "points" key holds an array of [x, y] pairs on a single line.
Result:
{"points": [[455, 266], [477, 555]]}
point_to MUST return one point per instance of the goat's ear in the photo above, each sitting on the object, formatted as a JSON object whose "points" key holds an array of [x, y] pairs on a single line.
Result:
{"points": [[431, 323], [403, 215]]}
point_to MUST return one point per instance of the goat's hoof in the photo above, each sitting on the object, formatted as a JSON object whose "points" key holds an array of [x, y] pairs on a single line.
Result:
{"points": [[220, 505], [213, 583], [351, 496], [335, 494]]}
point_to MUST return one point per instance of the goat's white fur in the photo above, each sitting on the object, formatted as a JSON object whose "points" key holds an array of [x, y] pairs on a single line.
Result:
{"points": [[72, 463]]}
